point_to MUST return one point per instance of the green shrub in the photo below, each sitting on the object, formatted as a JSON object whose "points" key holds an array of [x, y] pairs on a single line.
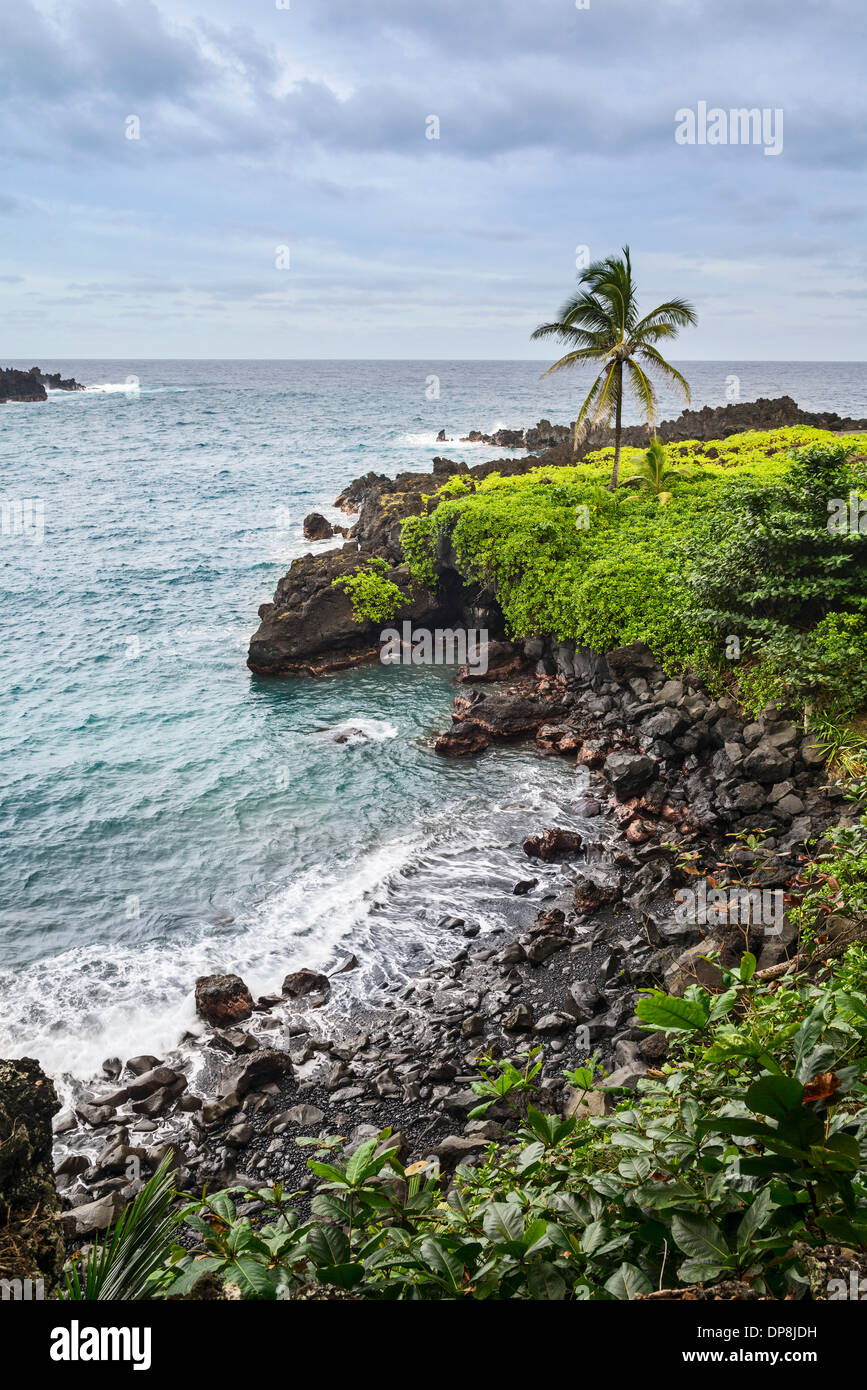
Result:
{"points": [[738, 1153], [741, 549], [373, 596]]}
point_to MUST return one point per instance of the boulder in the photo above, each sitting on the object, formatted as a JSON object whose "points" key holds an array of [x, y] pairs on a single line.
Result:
{"points": [[91, 1218], [594, 892], [629, 773], [317, 528], [462, 740], [258, 1068], [767, 763], [553, 844], [223, 999], [302, 982]]}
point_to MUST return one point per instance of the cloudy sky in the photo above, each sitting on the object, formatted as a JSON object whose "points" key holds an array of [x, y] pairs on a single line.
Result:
{"points": [[271, 135]]}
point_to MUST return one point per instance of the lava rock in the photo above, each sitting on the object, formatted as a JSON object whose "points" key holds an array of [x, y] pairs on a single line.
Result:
{"points": [[629, 773], [553, 844], [317, 528], [223, 999], [303, 982]]}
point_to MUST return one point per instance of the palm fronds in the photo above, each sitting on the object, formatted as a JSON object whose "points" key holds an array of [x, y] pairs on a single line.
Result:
{"points": [[653, 474], [600, 323], [121, 1268]]}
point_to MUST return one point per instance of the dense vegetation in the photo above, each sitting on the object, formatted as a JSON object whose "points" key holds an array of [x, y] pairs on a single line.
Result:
{"points": [[720, 557], [742, 1154]]}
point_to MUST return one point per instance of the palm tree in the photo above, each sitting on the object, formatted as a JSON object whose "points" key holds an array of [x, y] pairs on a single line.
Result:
{"points": [[653, 473], [601, 324]]}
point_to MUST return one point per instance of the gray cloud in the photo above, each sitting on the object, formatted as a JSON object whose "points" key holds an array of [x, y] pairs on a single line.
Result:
{"points": [[307, 126]]}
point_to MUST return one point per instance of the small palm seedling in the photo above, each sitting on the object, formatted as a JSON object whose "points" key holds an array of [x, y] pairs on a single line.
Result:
{"points": [[122, 1268], [653, 474]]}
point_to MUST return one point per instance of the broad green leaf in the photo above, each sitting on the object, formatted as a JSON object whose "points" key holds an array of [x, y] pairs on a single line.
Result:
{"points": [[628, 1282], [545, 1282], [665, 1012], [528, 1156], [444, 1261], [594, 1236], [343, 1276], [503, 1221], [755, 1218], [357, 1163], [723, 1004], [328, 1245], [774, 1096], [326, 1170], [699, 1271], [252, 1276], [699, 1237]]}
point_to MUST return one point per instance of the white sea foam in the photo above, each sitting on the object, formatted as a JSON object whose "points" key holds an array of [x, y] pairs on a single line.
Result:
{"points": [[82, 1005], [428, 440], [354, 731], [113, 388]]}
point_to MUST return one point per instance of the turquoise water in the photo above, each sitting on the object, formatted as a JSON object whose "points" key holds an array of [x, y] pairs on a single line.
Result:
{"points": [[163, 811]]}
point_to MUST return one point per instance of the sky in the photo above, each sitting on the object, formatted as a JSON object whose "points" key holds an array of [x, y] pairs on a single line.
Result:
{"points": [[258, 178]]}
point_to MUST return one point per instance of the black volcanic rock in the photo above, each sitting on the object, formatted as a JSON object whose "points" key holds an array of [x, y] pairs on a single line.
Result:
{"points": [[711, 422], [31, 386], [20, 386], [317, 527]]}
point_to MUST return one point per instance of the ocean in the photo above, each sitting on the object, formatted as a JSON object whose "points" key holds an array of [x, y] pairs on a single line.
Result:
{"points": [[165, 813]]}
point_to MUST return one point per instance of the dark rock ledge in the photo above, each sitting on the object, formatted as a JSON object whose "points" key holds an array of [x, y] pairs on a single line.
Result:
{"points": [[710, 422], [31, 385]]}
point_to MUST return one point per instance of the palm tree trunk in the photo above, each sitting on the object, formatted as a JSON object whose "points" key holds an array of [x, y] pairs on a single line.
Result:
{"points": [[615, 473]]}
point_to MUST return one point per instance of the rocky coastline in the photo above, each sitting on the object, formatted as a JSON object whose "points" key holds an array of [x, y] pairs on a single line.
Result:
{"points": [[32, 385], [710, 422], [669, 775], [309, 628], [672, 783]]}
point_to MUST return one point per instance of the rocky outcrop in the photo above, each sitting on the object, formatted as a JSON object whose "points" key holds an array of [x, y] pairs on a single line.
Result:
{"points": [[31, 385], [711, 422], [310, 628], [317, 528], [31, 1243]]}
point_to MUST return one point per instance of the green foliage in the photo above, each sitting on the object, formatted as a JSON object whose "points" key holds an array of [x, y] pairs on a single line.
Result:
{"points": [[742, 1149], [835, 882], [654, 474], [602, 324], [373, 596], [125, 1265], [789, 587], [742, 548]]}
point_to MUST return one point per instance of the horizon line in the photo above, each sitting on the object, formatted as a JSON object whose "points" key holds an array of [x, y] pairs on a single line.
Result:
{"points": [[131, 357]]}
